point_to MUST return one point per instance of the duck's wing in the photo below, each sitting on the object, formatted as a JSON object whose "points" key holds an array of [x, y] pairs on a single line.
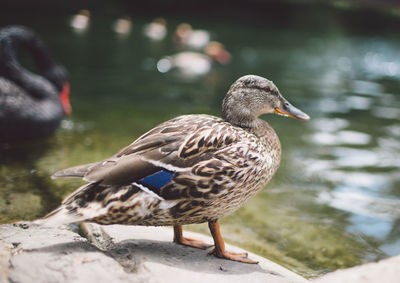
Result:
{"points": [[76, 171], [160, 166], [128, 159], [128, 165], [172, 146]]}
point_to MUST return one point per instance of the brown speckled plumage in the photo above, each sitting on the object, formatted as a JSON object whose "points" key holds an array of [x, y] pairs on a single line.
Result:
{"points": [[191, 169]]}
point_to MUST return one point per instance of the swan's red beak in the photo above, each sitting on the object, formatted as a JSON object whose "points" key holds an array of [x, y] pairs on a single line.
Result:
{"points": [[64, 98]]}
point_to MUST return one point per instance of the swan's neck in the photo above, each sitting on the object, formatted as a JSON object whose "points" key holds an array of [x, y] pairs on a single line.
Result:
{"points": [[15, 38]]}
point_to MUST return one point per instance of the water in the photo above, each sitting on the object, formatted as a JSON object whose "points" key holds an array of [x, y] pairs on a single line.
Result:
{"points": [[335, 201]]}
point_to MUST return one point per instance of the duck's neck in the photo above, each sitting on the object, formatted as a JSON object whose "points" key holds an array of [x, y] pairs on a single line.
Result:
{"points": [[246, 123], [239, 116], [245, 118], [10, 40]]}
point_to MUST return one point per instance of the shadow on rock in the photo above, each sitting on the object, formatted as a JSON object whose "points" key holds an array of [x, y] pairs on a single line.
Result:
{"points": [[131, 254]]}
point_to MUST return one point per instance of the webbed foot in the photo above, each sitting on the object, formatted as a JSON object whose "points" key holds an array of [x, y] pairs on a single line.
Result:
{"points": [[219, 250], [190, 242], [241, 257]]}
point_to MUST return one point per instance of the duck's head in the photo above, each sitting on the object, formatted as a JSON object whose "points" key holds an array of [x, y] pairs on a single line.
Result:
{"points": [[217, 51], [182, 30], [250, 96]]}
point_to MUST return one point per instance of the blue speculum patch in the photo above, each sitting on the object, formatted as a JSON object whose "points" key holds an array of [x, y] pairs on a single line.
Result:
{"points": [[158, 179]]}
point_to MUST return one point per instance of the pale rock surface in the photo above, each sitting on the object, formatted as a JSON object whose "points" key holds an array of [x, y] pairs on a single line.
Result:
{"points": [[31, 253], [384, 271]]}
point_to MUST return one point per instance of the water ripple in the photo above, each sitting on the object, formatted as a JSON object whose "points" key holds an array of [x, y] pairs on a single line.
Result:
{"points": [[341, 137], [348, 200]]}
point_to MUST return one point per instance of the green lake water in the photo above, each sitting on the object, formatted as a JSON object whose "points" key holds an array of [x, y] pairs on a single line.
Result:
{"points": [[335, 201]]}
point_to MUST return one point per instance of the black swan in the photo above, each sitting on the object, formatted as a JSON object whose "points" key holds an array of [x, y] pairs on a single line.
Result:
{"points": [[31, 105]]}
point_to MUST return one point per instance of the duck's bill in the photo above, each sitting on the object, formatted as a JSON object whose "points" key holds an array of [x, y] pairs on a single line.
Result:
{"points": [[291, 111]]}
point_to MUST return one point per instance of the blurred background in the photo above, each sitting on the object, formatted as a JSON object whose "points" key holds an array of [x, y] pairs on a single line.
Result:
{"points": [[335, 201]]}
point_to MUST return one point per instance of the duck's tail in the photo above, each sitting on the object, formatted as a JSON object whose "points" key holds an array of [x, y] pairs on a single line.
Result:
{"points": [[95, 202], [75, 208], [58, 217]]}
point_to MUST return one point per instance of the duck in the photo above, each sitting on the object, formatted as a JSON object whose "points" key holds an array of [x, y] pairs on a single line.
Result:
{"points": [[122, 26], [80, 22], [31, 105], [187, 37], [194, 168], [191, 64], [156, 30]]}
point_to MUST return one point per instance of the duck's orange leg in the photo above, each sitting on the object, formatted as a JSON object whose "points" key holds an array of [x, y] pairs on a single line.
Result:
{"points": [[195, 243], [219, 249]]}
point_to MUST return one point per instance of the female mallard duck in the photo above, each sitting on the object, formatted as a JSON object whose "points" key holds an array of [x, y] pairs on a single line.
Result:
{"points": [[31, 105], [191, 169], [189, 64]]}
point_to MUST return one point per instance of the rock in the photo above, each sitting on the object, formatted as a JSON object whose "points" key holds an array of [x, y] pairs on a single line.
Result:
{"points": [[32, 253], [117, 253], [384, 271], [42, 254], [5, 255], [96, 235], [149, 250]]}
